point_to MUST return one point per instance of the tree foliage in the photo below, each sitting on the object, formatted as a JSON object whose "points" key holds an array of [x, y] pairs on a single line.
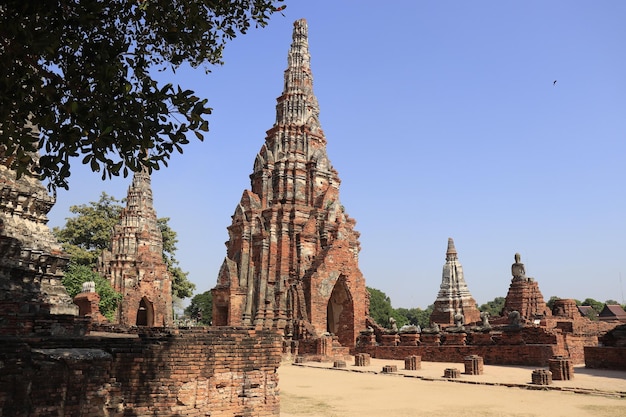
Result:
{"points": [[201, 308], [88, 233], [77, 274], [380, 306], [83, 73], [494, 307], [415, 316]]}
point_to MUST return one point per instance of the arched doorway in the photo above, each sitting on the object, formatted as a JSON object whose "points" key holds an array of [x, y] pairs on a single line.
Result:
{"points": [[145, 313], [340, 313]]}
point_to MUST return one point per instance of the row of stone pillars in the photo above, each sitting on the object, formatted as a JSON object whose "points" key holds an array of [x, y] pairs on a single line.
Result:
{"points": [[559, 367]]}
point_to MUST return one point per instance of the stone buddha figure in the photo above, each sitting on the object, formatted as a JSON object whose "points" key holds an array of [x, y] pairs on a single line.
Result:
{"points": [[517, 269]]}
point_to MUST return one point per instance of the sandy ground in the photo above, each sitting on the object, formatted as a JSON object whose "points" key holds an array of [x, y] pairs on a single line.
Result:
{"points": [[316, 389]]}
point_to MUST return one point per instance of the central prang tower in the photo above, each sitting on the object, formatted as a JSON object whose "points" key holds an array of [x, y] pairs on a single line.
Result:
{"points": [[292, 253]]}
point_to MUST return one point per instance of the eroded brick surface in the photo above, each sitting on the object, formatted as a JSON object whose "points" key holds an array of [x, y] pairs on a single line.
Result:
{"points": [[216, 372], [135, 265], [292, 253]]}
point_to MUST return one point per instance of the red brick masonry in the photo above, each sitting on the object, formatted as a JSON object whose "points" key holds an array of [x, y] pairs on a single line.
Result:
{"points": [[200, 372]]}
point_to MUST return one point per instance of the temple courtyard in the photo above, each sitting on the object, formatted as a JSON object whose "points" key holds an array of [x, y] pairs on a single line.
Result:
{"points": [[315, 389]]}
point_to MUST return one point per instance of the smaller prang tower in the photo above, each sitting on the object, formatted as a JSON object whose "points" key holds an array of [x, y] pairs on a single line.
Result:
{"points": [[524, 295], [454, 296], [134, 265]]}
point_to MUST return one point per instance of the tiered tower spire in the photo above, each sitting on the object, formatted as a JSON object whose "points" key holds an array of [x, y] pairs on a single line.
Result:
{"points": [[454, 296], [292, 254], [135, 265]]}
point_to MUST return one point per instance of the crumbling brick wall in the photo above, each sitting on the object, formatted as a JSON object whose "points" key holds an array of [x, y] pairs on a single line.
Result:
{"points": [[212, 371]]}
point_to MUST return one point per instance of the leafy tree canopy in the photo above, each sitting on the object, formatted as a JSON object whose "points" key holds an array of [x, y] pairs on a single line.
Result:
{"points": [[201, 308], [380, 306], [494, 307], [77, 274], [88, 233], [82, 72]]}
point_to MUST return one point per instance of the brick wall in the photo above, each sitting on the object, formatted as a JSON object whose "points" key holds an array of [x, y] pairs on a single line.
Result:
{"points": [[200, 372], [523, 355], [605, 357]]}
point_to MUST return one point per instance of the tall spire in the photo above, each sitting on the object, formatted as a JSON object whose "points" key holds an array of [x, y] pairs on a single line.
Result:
{"points": [[298, 105], [292, 254], [454, 296], [135, 265], [451, 252]]}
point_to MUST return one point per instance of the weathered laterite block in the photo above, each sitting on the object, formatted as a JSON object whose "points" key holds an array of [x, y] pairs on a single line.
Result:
{"points": [[542, 377], [389, 369], [474, 365], [451, 373], [362, 359], [562, 368], [339, 364], [413, 363]]}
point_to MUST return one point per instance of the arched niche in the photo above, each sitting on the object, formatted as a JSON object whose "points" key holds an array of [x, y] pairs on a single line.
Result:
{"points": [[340, 313], [145, 313]]}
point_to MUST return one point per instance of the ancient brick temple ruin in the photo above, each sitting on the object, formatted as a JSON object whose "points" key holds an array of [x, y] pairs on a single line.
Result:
{"points": [[31, 260], [524, 295], [454, 303], [54, 363], [292, 254], [135, 265], [526, 332]]}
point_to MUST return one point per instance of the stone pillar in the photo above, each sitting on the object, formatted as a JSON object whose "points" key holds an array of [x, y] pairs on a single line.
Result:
{"points": [[542, 377], [389, 369], [325, 346], [339, 364], [362, 359], [413, 363], [473, 365], [562, 368]]}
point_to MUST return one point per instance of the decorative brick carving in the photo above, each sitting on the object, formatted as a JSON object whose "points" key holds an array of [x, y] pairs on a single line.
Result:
{"points": [[31, 259], [135, 265], [454, 297], [292, 253]]}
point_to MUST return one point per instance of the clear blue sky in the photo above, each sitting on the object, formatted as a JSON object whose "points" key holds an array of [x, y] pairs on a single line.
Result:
{"points": [[443, 121]]}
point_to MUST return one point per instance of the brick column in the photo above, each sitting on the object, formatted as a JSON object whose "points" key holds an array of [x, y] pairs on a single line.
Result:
{"points": [[413, 363], [473, 365], [562, 368]]}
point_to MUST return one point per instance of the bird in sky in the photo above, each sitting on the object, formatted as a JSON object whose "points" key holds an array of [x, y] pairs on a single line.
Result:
{"points": [[554, 82]]}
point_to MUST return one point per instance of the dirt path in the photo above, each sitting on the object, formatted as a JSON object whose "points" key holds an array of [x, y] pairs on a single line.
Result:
{"points": [[318, 390]]}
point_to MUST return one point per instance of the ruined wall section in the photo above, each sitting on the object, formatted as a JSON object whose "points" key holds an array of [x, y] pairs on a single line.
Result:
{"points": [[217, 372], [31, 260]]}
